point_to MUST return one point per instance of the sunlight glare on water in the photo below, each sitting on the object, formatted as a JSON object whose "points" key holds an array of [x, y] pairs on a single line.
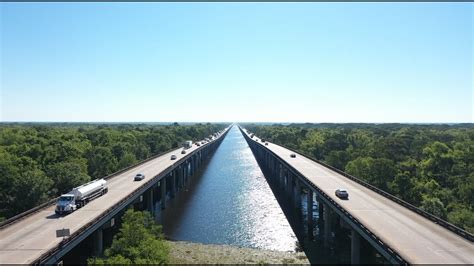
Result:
{"points": [[230, 203]]}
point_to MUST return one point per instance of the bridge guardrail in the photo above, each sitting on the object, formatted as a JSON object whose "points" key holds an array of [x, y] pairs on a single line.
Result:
{"points": [[387, 248], [112, 208], [437, 220], [27, 213]]}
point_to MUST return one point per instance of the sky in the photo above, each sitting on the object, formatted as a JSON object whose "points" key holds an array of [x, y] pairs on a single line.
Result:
{"points": [[237, 62]]}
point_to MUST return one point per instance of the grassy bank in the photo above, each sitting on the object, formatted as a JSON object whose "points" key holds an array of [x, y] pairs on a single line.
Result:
{"points": [[187, 252]]}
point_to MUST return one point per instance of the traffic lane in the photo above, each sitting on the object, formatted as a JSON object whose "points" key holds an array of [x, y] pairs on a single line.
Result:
{"points": [[38, 220], [386, 218], [38, 232]]}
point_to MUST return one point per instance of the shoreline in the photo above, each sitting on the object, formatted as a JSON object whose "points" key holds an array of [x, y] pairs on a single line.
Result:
{"points": [[183, 252]]}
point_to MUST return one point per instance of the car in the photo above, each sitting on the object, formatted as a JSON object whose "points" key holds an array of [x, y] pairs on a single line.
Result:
{"points": [[173, 157], [183, 152], [292, 155], [197, 144], [266, 143], [139, 177], [342, 193]]}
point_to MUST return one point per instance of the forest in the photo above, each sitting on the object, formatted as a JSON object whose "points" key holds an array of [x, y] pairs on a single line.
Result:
{"points": [[39, 161], [428, 165]]}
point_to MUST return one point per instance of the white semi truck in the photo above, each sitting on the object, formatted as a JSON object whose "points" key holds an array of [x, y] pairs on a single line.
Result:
{"points": [[187, 144], [80, 196]]}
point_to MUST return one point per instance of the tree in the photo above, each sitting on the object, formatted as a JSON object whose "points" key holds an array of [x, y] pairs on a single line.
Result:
{"points": [[139, 241], [462, 217], [378, 172], [437, 162], [34, 186], [101, 162], [402, 186], [70, 174], [434, 206], [338, 159], [127, 160]]}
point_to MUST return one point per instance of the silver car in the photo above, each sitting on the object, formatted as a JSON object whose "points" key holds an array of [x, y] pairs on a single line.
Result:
{"points": [[139, 177], [342, 193]]}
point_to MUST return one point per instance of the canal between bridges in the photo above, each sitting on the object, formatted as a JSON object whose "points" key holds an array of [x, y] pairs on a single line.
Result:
{"points": [[229, 202]]}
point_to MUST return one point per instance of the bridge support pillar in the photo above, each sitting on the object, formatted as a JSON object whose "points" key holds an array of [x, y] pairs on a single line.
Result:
{"points": [[185, 173], [355, 247], [181, 176], [309, 207], [327, 225], [280, 175], [289, 184], [98, 242], [150, 206], [173, 183], [163, 192], [320, 208], [297, 199]]}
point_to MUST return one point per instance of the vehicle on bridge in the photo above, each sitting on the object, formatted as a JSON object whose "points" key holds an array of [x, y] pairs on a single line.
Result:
{"points": [[173, 157], [187, 144], [139, 177], [80, 196], [342, 193], [183, 152], [292, 155]]}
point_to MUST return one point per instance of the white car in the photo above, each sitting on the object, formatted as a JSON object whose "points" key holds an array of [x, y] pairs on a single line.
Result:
{"points": [[173, 157]]}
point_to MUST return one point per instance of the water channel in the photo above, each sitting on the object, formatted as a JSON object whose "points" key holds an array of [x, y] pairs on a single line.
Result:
{"points": [[229, 202]]}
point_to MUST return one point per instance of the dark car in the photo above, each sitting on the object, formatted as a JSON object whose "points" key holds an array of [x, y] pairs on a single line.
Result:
{"points": [[342, 193], [266, 143], [292, 155], [183, 152], [139, 177], [173, 157]]}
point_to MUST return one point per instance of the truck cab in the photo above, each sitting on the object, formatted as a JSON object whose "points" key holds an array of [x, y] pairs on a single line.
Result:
{"points": [[187, 144], [66, 204]]}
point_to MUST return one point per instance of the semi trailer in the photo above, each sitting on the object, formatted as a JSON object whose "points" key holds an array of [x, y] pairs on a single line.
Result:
{"points": [[80, 196]]}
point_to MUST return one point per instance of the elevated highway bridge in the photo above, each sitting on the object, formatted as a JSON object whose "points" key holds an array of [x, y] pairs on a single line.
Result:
{"points": [[30, 238], [399, 231]]}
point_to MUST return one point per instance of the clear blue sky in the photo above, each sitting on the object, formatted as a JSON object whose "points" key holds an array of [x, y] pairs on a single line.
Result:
{"points": [[298, 62]]}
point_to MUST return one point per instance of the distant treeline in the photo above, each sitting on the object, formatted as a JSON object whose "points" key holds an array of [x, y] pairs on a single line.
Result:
{"points": [[41, 161], [428, 165]]}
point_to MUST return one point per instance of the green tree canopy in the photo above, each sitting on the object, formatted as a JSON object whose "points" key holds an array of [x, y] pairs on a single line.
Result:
{"points": [[139, 241]]}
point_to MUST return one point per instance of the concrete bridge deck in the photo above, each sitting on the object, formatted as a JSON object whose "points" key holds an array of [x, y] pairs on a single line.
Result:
{"points": [[414, 237], [28, 239]]}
